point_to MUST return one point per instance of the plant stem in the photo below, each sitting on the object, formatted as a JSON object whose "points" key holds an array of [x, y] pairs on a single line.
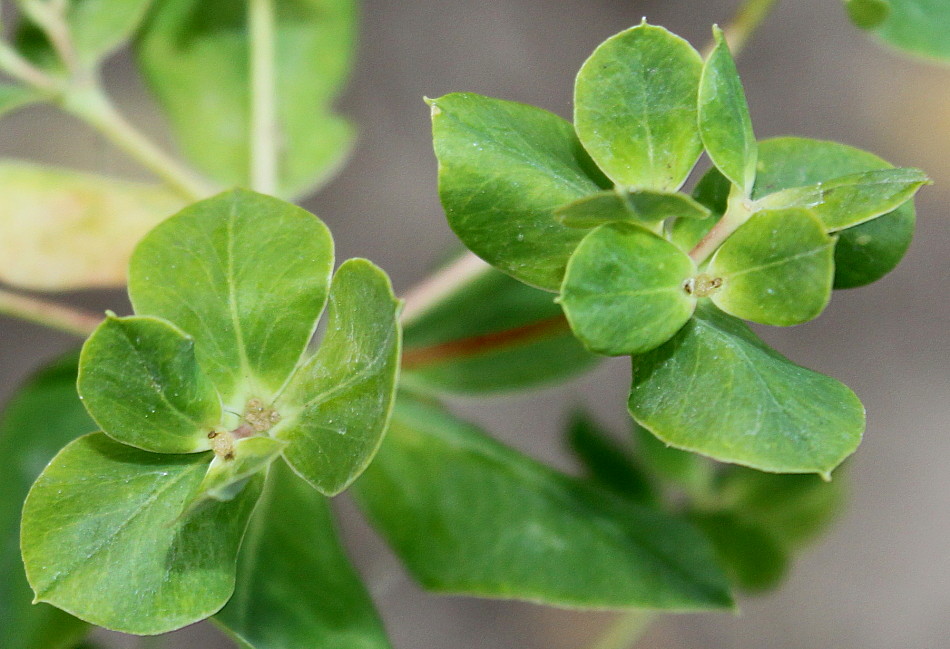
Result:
{"points": [[263, 97], [81, 94], [90, 103], [626, 630], [436, 287], [745, 22], [48, 314], [416, 357], [51, 18], [738, 212], [19, 68]]}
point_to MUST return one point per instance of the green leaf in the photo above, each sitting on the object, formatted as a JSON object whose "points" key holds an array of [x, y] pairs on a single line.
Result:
{"points": [[336, 408], [776, 269], [918, 27], [491, 334], [64, 230], [752, 558], [504, 168], [645, 206], [867, 14], [853, 199], [724, 122], [195, 56], [606, 461], [635, 108], [42, 417], [296, 587], [228, 474], [469, 516], [793, 509], [13, 97], [99, 27], [246, 276], [716, 389], [864, 253], [104, 537], [623, 292], [688, 470], [139, 380]]}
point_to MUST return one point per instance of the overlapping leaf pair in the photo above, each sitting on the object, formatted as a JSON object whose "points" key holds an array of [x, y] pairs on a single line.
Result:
{"points": [[196, 396], [594, 212]]}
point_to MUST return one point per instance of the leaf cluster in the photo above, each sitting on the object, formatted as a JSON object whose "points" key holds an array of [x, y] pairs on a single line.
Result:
{"points": [[137, 527], [595, 212]]}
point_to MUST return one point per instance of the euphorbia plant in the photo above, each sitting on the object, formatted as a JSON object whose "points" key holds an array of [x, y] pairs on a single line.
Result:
{"points": [[226, 416]]}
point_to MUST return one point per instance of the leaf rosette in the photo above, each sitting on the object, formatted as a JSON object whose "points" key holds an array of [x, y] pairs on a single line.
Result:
{"points": [[196, 396], [594, 212]]}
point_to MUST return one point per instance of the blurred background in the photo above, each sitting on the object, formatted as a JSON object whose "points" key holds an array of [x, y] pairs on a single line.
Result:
{"points": [[881, 578]]}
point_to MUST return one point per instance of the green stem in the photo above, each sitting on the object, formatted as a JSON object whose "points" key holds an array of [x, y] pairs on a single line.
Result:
{"points": [[82, 95], [51, 18], [745, 22], [20, 69], [263, 97], [626, 630], [90, 103], [48, 314], [738, 212], [440, 285]]}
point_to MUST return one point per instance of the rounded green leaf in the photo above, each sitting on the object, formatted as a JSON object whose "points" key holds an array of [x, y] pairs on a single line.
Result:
{"points": [[296, 587], [716, 389], [864, 252], [724, 121], [918, 27], [625, 290], [246, 276], [753, 559], [43, 416], [853, 199], [867, 252], [504, 168], [776, 269], [635, 108], [140, 381], [793, 509], [104, 537], [491, 334], [644, 206], [470, 516], [336, 408]]}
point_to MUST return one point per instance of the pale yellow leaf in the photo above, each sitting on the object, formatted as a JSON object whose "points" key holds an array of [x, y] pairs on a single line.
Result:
{"points": [[66, 230]]}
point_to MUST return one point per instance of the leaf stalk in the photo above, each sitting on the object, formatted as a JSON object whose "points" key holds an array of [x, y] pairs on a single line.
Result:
{"points": [[263, 125], [90, 103], [49, 314]]}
